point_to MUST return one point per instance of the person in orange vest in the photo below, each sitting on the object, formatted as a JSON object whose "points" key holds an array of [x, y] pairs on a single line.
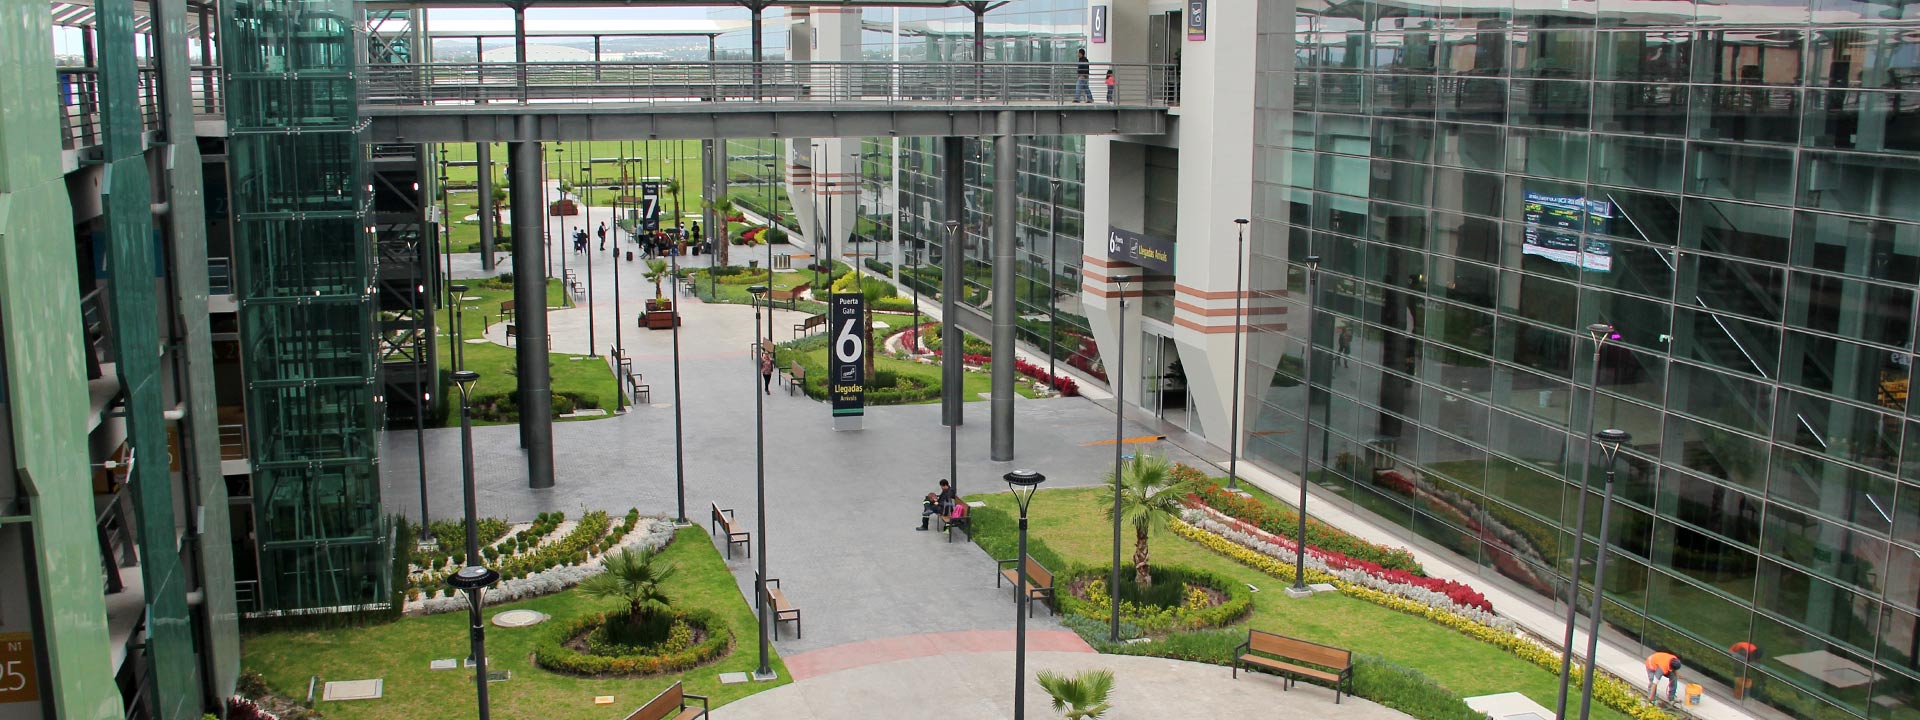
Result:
{"points": [[1746, 653], [1665, 665]]}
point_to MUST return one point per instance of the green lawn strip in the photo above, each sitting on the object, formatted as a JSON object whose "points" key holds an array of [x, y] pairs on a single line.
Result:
{"points": [[399, 653], [588, 377], [1072, 526], [812, 354]]}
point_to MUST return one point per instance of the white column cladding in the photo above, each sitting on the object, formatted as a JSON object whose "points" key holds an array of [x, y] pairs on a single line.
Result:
{"points": [[1114, 186], [1216, 186], [828, 34]]}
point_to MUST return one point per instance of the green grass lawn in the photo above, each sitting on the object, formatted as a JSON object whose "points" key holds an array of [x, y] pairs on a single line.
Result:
{"points": [[732, 289], [399, 653], [813, 356], [587, 376], [1073, 525]]}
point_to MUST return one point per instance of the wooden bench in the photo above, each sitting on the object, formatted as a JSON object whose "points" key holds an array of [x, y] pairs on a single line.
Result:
{"points": [[964, 522], [783, 611], [1288, 654], [671, 704], [723, 521], [642, 392], [812, 321], [1039, 581], [506, 310]]}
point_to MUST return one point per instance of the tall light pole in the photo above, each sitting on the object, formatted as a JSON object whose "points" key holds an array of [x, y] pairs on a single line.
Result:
{"points": [[459, 295], [593, 348], [1053, 275], [1600, 333], [1023, 484], [1610, 441], [758, 292], [952, 342], [474, 579], [679, 445], [1239, 328], [1306, 466], [1119, 446]]}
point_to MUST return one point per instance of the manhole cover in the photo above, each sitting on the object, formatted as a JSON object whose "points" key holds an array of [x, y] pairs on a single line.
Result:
{"points": [[519, 618], [732, 678], [352, 690]]}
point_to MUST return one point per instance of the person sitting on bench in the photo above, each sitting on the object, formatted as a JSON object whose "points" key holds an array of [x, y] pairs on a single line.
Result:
{"points": [[940, 502]]}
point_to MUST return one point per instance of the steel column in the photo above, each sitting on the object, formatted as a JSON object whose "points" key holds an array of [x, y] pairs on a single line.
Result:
{"points": [[1005, 201], [483, 165], [530, 295]]}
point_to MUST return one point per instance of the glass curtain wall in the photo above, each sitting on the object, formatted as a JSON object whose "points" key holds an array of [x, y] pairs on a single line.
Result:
{"points": [[1721, 182], [304, 263]]}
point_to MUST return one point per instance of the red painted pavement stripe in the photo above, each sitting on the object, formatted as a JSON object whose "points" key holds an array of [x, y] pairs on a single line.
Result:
{"points": [[872, 652]]}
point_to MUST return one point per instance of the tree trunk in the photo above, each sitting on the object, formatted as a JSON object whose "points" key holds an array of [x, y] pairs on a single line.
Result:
{"points": [[871, 350], [1140, 575]]}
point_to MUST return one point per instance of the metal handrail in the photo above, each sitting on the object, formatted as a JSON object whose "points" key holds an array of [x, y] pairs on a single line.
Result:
{"points": [[816, 83], [79, 89]]}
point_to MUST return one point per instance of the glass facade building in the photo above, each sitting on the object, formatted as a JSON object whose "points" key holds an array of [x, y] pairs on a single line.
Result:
{"points": [[1733, 187]]}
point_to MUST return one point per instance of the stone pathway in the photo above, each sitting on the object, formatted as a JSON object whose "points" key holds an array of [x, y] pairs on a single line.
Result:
{"points": [[977, 682]]}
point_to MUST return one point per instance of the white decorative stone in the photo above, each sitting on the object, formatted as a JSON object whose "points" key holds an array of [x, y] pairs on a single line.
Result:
{"points": [[353, 690], [444, 664], [519, 618], [733, 678]]}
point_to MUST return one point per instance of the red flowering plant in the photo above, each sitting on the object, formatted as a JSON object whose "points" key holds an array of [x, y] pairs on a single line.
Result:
{"points": [[1285, 523]]}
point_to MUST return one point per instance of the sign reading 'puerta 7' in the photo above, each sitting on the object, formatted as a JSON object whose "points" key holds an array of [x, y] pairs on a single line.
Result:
{"points": [[847, 355]]}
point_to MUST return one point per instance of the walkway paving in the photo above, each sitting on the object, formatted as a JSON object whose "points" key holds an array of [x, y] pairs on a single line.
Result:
{"points": [[976, 684]]}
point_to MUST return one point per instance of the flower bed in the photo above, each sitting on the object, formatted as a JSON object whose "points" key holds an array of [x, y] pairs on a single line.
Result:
{"points": [[1286, 523], [563, 650], [1470, 621], [1459, 593], [1206, 600], [554, 567], [1062, 383]]}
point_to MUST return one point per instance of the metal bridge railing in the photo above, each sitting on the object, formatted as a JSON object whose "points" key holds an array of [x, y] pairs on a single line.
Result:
{"points": [[813, 83], [79, 89]]}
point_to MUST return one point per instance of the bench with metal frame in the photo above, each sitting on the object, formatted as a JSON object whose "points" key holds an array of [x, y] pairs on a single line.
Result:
{"points": [[945, 522], [794, 378], [1039, 581], [671, 704], [812, 321], [783, 611], [1335, 665], [723, 521]]}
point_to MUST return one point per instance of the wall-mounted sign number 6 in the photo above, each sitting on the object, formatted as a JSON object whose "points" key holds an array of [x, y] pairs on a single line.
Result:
{"points": [[847, 345]]}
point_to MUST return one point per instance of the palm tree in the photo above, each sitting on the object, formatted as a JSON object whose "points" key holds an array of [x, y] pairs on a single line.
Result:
{"points": [[673, 188], [656, 269], [1082, 696], [722, 208], [1147, 499], [634, 578]]}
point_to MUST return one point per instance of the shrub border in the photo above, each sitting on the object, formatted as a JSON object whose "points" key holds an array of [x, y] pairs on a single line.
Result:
{"points": [[1239, 599], [553, 654]]}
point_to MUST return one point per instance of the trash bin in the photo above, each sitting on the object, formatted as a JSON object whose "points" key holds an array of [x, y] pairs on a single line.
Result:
{"points": [[629, 256], [1694, 693]]}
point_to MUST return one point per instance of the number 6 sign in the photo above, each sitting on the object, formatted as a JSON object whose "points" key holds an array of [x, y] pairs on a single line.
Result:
{"points": [[847, 368]]}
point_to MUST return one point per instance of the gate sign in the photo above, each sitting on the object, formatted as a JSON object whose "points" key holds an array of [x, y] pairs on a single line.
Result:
{"points": [[17, 673], [847, 355], [1134, 248], [650, 206], [1098, 27], [1196, 20]]}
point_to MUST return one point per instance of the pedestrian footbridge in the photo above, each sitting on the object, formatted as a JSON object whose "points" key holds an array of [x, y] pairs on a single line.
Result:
{"points": [[569, 101]]}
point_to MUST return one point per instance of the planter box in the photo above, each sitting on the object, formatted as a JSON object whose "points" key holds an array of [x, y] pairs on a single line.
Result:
{"points": [[660, 305], [657, 320], [559, 208]]}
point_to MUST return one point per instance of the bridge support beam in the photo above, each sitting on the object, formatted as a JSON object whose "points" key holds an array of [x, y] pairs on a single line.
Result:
{"points": [[483, 167], [1005, 304], [530, 294]]}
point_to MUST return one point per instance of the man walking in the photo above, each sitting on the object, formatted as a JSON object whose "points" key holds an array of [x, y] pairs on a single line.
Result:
{"points": [[603, 235], [1080, 87]]}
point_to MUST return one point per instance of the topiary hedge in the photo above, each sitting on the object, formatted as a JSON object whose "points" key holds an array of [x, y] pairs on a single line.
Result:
{"points": [[553, 654], [1153, 618]]}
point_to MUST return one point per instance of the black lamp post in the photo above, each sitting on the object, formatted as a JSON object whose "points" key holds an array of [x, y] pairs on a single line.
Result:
{"points": [[679, 445], [1053, 277], [951, 338], [474, 579], [1306, 467], [1023, 483], [1600, 333], [1239, 328], [584, 191], [1119, 427], [1610, 439], [459, 295], [759, 292], [619, 344]]}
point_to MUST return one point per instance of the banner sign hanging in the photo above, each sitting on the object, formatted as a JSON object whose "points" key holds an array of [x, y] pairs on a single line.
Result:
{"points": [[1098, 25], [650, 206], [1196, 20], [847, 355], [1146, 251]]}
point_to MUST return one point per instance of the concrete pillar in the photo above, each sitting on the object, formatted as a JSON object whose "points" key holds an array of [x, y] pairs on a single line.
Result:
{"points": [[952, 270], [483, 166], [1005, 204], [530, 294]]}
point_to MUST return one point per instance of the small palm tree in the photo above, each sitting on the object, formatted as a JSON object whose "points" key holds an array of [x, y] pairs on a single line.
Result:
{"points": [[1082, 696], [634, 578], [656, 269], [1147, 499]]}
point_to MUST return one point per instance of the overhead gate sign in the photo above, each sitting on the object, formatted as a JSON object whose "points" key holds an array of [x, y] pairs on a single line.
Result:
{"points": [[847, 355]]}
